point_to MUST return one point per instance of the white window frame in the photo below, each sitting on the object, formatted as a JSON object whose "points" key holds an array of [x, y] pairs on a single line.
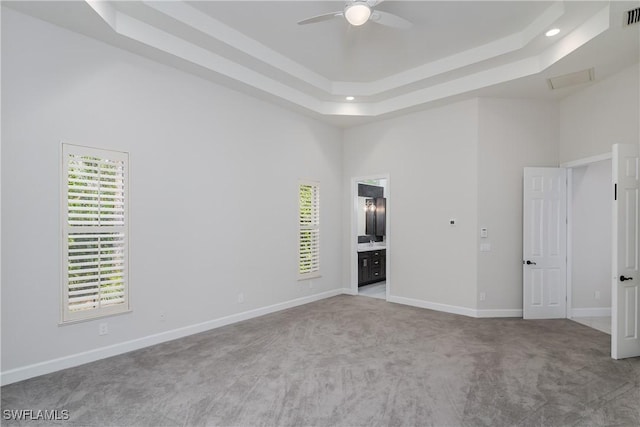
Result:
{"points": [[313, 226], [122, 230]]}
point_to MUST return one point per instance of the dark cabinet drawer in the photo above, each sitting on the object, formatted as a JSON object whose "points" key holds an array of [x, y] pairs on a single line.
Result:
{"points": [[376, 272], [371, 267]]}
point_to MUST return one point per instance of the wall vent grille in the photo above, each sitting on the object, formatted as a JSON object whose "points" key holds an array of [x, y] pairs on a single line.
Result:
{"points": [[633, 16]]}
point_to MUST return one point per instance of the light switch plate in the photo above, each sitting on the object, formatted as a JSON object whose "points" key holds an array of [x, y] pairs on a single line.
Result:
{"points": [[485, 247]]}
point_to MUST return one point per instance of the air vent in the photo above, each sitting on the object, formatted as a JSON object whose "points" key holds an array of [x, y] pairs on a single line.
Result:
{"points": [[633, 16], [571, 79]]}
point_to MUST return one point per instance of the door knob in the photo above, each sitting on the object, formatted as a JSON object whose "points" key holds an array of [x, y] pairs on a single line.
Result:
{"points": [[622, 278], [529, 262]]}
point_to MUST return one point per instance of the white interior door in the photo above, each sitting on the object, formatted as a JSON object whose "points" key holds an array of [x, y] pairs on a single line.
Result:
{"points": [[625, 298], [544, 263]]}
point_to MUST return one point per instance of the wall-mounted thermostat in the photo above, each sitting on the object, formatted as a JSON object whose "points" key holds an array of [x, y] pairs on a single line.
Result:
{"points": [[484, 232]]}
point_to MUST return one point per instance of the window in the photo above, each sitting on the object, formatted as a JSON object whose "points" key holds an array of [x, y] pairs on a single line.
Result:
{"points": [[95, 235], [309, 230]]}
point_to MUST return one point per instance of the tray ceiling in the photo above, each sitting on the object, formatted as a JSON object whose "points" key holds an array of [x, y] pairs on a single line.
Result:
{"points": [[454, 48]]}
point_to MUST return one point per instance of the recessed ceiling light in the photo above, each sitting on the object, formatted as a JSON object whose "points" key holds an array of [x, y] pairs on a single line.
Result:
{"points": [[552, 32], [349, 98]]}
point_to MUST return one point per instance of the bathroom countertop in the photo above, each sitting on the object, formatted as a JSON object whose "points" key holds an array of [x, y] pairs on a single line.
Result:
{"points": [[366, 247]]}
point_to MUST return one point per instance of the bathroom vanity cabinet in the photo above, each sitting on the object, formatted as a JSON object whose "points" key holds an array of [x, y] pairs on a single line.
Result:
{"points": [[371, 266]]}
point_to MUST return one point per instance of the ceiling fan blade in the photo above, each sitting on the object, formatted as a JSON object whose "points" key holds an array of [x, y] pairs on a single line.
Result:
{"points": [[390, 20], [374, 3], [320, 18]]}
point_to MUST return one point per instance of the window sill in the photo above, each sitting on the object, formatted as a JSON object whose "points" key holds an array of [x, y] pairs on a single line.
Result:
{"points": [[309, 276], [89, 319]]}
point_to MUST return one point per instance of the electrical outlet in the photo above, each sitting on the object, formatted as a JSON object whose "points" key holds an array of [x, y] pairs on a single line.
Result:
{"points": [[596, 295], [483, 296], [240, 298], [103, 329]]}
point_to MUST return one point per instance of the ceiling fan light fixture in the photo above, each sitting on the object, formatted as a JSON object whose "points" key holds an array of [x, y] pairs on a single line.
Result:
{"points": [[357, 13]]}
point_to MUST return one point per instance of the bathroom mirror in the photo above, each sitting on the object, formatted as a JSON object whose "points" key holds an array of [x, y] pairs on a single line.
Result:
{"points": [[371, 210], [371, 216]]}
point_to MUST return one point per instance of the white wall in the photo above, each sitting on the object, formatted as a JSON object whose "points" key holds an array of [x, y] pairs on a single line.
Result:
{"points": [[213, 187], [591, 235], [430, 157], [513, 134], [462, 161], [601, 115]]}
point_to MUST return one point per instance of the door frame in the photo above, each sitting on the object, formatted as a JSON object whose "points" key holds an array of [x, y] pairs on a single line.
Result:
{"points": [[353, 233], [570, 166]]}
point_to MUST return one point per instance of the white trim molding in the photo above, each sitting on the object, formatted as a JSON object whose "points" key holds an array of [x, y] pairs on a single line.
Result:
{"points": [[464, 311], [244, 60], [591, 312], [49, 366], [586, 161], [509, 312]]}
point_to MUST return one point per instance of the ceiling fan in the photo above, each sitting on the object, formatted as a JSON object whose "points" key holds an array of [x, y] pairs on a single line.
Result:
{"points": [[359, 12]]}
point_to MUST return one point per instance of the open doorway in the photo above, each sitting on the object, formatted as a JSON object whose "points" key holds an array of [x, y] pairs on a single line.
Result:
{"points": [[589, 200], [370, 237], [548, 265]]}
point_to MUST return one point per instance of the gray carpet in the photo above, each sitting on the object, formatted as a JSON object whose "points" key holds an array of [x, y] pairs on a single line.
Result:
{"points": [[353, 361]]}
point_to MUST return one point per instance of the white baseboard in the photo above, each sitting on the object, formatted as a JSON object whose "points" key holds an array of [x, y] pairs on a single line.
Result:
{"points": [[591, 312], [513, 312], [464, 311], [49, 366], [433, 306]]}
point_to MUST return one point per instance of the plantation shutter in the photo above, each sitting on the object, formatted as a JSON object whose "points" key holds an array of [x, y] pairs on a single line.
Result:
{"points": [[95, 232], [309, 230]]}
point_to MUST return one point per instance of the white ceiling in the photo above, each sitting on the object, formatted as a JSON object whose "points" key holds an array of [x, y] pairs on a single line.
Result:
{"points": [[454, 49], [341, 52]]}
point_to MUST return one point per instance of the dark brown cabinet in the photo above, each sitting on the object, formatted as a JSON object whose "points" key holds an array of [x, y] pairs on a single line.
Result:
{"points": [[371, 266]]}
